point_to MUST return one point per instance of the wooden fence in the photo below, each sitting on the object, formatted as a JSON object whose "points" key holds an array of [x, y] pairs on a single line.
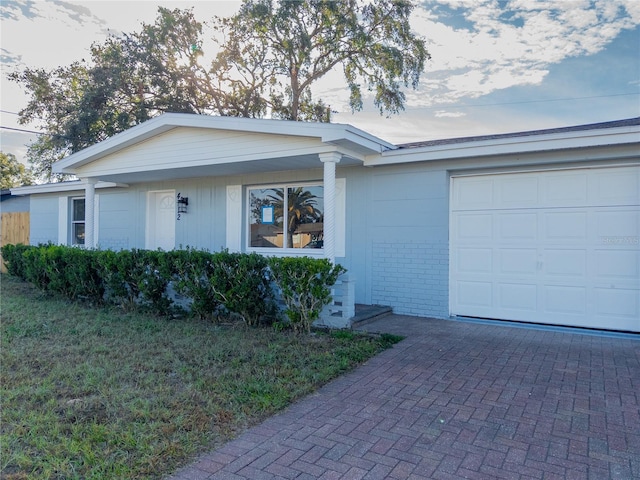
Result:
{"points": [[14, 228]]}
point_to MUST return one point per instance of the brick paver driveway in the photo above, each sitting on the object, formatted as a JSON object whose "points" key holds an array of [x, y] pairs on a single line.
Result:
{"points": [[457, 400]]}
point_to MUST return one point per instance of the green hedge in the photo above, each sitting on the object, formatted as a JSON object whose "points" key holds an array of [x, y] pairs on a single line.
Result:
{"points": [[13, 259], [137, 278], [234, 282], [214, 284]]}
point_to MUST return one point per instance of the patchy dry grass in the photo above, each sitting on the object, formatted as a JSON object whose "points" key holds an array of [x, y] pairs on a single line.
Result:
{"points": [[95, 393]]}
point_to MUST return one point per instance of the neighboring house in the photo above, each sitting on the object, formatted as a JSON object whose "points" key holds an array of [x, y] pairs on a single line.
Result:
{"points": [[14, 220], [10, 203], [539, 226], [14, 210]]}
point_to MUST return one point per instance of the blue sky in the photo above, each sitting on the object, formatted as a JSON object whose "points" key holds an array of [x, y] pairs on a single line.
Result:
{"points": [[497, 66]]}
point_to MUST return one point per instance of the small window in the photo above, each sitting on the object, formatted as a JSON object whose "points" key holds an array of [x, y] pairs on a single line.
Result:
{"points": [[77, 221], [301, 227]]}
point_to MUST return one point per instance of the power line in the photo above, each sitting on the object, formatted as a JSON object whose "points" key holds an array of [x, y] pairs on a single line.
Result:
{"points": [[22, 130]]}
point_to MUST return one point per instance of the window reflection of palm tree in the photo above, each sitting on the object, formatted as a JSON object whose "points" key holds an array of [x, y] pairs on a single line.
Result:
{"points": [[301, 206]]}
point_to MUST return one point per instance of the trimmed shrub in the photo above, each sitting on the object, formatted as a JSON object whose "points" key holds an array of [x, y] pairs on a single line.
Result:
{"points": [[234, 282], [53, 261], [35, 267], [82, 274], [136, 277], [305, 285], [116, 290], [193, 270], [13, 257], [241, 283], [71, 271], [157, 275]]}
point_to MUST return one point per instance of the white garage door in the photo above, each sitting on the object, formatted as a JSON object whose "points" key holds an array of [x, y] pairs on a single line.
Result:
{"points": [[556, 247]]}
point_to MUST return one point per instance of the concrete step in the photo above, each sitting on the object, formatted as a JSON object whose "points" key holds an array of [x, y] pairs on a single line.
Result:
{"points": [[368, 313]]}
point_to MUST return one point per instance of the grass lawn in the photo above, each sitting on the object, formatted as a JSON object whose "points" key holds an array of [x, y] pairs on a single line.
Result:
{"points": [[97, 393]]}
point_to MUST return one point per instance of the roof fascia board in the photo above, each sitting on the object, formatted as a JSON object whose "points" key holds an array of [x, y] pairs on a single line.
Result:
{"points": [[510, 146], [333, 134], [61, 187], [357, 137], [620, 154], [129, 137]]}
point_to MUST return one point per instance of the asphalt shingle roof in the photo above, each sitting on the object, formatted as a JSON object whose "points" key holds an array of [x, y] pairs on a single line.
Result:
{"points": [[593, 126]]}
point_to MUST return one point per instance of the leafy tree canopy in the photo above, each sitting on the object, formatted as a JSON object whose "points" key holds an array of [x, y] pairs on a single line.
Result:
{"points": [[264, 60], [127, 80], [12, 172], [282, 48]]}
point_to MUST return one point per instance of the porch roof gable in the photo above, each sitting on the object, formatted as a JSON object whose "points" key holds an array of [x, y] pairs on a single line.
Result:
{"points": [[340, 137]]}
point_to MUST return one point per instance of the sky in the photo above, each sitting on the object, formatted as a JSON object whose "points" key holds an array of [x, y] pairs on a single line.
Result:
{"points": [[496, 66]]}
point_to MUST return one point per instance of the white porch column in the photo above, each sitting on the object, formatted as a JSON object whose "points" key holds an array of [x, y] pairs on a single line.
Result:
{"points": [[330, 160], [89, 205]]}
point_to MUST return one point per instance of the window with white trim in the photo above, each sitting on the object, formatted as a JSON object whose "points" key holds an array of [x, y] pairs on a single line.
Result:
{"points": [[301, 227], [77, 221]]}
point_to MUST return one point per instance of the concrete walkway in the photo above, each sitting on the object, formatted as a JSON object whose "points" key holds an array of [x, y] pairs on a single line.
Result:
{"points": [[457, 400]]}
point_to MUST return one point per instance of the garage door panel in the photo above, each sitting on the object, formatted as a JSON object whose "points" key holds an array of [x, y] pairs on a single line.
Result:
{"points": [[522, 297], [475, 260], [617, 226], [564, 299], [572, 259], [565, 263], [516, 191], [518, 225], [618, 303], [475, 294], [474, 194], [617, 265], [617, 187], [475, 227], [518, 261], [565, 226], [565, 189]]}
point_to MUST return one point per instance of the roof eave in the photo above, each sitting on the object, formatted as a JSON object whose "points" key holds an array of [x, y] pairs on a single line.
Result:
{"points": [[510, 146], [61, 187]]}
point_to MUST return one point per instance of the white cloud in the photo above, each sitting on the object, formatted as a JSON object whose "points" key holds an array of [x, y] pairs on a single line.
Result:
{"points": [[504, 44], [446, 114], [490, 45]]}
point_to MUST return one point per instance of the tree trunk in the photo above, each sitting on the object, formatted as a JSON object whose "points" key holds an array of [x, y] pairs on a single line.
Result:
{"points": [[295, 94]]}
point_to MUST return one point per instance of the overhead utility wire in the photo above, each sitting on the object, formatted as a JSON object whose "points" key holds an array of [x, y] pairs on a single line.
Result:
{"points": [[22, 130]]}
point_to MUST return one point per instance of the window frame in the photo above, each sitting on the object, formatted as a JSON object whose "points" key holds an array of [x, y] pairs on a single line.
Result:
{"points": [[279, 251], [73, 222]]}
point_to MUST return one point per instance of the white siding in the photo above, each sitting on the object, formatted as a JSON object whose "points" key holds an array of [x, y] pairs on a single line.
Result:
{"points": [[184, 147]]}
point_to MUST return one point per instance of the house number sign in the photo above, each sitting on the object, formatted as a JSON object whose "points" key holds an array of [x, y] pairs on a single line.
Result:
{"points": [[183, 203]]}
